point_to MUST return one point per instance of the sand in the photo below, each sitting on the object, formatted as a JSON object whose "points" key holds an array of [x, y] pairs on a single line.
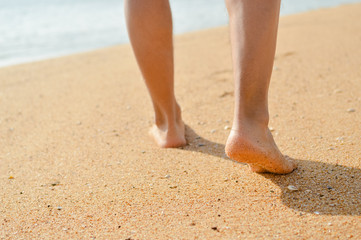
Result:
{"points": [[76, 161]]}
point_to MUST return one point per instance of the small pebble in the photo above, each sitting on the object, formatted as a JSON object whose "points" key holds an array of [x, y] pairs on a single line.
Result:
{"points": [[340, 138], [329, 187], [337, 91], [271, 129], [332, 204], [201, 145], [11, 177], [167, 176], [143, 151], [55, 183], [329, 224], [227, 127], [292, 188], [213, 130], [318, 213], [59, 208], [350, 110]]}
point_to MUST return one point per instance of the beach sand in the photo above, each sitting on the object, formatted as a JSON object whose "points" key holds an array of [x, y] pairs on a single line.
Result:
{"points": [[76, 161]]}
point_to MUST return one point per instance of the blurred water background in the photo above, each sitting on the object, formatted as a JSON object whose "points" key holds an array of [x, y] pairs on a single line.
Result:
{"points": [[40, 29]]}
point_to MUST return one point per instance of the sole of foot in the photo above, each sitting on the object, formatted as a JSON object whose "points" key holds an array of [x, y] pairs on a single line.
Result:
{"points": [[259, 150], [169, 138]]}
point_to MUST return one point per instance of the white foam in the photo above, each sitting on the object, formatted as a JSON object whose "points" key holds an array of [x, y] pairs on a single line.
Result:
{"points": [[39, 29]]}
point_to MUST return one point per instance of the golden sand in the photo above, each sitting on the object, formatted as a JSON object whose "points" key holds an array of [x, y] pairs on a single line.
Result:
{"points": [[76, 162]]}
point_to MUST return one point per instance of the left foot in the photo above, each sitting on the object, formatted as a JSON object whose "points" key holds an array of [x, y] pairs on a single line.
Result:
{"points": [[169, 134], [169, 137]]}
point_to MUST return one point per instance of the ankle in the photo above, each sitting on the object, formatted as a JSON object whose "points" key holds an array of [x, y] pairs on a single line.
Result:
{"points": [[168, 118], [258, 121]]}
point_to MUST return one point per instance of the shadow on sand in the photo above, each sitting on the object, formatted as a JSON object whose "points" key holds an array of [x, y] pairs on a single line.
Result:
{"points": [[325, 189]]}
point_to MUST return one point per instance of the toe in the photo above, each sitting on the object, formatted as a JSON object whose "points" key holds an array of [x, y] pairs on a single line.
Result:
{"points": [[257, 169], [291, 162]]}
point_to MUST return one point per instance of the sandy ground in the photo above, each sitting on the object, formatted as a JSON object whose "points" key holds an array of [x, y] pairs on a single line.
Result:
{"points": [[76, 161]]}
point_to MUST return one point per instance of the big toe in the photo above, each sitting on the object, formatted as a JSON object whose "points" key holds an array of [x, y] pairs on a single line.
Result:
{"points": [[257, 169], [292, 162]]}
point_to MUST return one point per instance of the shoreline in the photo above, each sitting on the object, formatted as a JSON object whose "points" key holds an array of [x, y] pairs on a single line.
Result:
{"points": [[50, 56], [76, 160]]}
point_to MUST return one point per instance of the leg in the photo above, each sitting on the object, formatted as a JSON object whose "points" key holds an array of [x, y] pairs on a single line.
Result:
{"points": [[253, 26], [150, 30]]}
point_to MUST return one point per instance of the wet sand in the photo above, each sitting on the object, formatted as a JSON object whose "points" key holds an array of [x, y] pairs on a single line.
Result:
{"points": [[76, 161]]}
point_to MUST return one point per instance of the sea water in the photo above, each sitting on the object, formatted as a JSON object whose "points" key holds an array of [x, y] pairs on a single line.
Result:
{"points": [[39, 29]]}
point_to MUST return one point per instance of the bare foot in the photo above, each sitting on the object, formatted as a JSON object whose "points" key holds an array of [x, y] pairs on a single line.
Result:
{"points": [[256, 146], [169, 134], [169, 138]]}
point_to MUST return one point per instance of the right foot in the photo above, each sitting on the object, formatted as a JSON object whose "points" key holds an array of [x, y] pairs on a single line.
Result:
{"points": [[169, 134], [256, 147]]}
